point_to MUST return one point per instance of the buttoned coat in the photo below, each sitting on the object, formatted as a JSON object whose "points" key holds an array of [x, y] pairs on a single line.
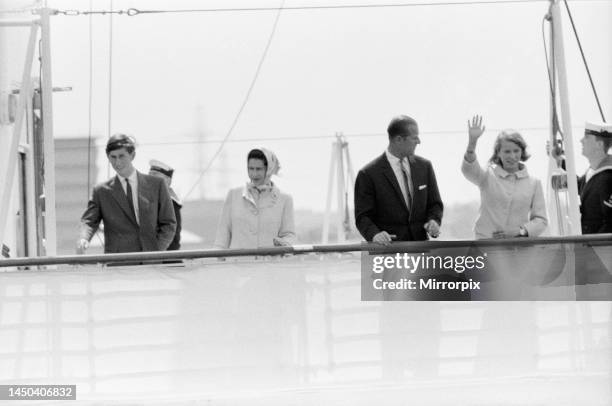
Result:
{"points": [[249, 223], [108, 204], [507, 200]]}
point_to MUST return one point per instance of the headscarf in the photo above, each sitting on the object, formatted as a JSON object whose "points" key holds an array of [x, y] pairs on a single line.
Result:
{"points": [[273, 166]]}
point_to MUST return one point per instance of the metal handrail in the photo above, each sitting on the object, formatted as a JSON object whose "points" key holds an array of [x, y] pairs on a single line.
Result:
{"points": [[404, 246]]}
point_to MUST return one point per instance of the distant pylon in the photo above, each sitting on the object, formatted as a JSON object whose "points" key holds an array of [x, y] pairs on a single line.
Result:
{"points": [[341, 169]]}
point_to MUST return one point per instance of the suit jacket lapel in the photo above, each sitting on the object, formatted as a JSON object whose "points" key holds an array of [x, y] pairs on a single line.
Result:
{"points": [[121, 198], [390, 175]]}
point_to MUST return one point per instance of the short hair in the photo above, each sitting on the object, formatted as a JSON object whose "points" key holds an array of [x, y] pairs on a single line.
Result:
{"points": [[257, 154], [400, 125], [607, 142], [118, 141], [514, 137]]}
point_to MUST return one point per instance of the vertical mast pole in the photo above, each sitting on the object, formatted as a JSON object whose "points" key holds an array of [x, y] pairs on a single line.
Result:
{"points": [[49, 142], [566, 122]]}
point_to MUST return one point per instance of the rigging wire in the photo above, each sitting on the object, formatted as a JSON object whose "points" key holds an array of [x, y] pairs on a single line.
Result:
{"points": [[134, 12], [585, 61], [310, 137], [244, 102], [551, 73], [34, 6], [131, 12], [110, 80], [90, 102]]}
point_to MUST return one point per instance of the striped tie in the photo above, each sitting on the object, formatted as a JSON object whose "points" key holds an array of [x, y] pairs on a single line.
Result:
{"points": [[407, 186]]}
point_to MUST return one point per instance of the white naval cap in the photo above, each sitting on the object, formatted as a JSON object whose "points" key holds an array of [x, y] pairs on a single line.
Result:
{"points": [[600, 129], [161, 167]]}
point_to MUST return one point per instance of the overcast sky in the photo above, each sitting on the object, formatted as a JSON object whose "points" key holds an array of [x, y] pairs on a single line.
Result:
{"points": [[177, 75]]}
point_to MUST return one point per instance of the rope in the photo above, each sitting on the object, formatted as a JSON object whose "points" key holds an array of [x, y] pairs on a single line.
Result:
{"points": [[245, 101], [557, 143], [90, 97], [585, 61], [131, 12], [34, 6], [320, 137], [110, 80]]}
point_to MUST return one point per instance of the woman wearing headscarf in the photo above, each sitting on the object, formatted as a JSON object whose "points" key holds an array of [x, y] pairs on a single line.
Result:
{"points": [[257, 214], [511, 201]]}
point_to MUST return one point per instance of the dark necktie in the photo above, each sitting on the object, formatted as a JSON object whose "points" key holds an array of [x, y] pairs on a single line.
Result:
{"points": [[407, 186], [128, 192]]}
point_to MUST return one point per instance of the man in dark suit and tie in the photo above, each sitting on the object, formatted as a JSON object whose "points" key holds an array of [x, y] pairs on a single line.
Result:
{"points": [[136, 209], [396, 195]]}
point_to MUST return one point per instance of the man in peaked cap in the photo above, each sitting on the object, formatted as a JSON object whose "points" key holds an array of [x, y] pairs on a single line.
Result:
{"points": [[161, 170], [135, 208], [595, 186]]}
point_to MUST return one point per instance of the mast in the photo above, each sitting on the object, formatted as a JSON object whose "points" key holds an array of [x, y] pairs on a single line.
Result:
{"points": [[18, 162], [560, 74], [48, 142], [9, 167]]}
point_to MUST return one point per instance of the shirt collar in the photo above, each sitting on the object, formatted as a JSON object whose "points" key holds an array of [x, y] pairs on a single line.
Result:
{"points": [[502, 173], [132, 178], [393, 160]]}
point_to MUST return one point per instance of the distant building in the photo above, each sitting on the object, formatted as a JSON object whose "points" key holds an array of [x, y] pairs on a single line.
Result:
{"points": [[73, 187]]}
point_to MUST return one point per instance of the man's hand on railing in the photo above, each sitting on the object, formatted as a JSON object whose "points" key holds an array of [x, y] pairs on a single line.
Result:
{"points": [[383, 238], [82, 245], [279, 242], [433, 228]]}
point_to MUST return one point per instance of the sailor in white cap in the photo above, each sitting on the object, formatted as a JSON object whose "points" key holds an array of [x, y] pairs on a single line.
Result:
{"points": [[164, 171], [595, 186]]}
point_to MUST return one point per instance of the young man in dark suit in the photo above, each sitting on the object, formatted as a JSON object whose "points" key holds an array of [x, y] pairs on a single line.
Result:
{"points": [[136, 208], [396, 195]]}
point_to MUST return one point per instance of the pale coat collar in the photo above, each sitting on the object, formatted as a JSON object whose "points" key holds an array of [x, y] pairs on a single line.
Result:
{"points": [[502, 173], [272, 191]]}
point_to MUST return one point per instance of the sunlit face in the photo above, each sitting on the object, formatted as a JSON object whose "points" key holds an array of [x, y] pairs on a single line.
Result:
{"points": [[121, 161], [257, 171], [407, 145], [510, 155], [590, 145]]}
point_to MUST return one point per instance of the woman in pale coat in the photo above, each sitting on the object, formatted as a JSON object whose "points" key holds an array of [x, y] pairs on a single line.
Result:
{"points": [[511, 201], [257, 214]]}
